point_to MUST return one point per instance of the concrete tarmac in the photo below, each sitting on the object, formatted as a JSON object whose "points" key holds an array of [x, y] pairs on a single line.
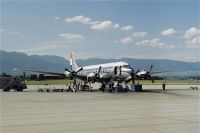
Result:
{"points": [[151, 111]]}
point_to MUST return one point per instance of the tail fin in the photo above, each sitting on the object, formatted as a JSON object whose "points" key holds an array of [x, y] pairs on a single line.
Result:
{"points": [[73, 64]]}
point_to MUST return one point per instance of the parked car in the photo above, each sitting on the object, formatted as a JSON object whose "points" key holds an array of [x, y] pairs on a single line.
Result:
{"points": [[8, 83]]}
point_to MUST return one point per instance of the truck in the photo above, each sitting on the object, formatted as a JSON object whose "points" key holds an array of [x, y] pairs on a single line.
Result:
{"points": [[8, 83]]}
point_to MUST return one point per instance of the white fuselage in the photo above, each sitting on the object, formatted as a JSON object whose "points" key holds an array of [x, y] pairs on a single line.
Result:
{"points": [[107, 71]]}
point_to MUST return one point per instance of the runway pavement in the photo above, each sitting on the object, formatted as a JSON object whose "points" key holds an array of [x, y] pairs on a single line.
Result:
{"points": [[151, 111]]}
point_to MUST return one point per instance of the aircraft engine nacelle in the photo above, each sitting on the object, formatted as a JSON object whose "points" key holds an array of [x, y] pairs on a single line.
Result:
{"points": [[91, 77], [68, 75], [128, 78]]}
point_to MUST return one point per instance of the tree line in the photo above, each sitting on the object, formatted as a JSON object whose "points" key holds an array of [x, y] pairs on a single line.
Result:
{"points": [[44, 77]]}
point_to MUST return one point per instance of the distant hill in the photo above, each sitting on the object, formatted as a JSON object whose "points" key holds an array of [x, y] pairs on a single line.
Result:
{"points": [[10, 60]]}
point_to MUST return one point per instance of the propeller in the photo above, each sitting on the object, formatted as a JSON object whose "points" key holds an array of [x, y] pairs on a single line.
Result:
{"points": [[149, 74], [132, 77], [97, 75], [94, 76], [150, 68], [74, 73], [144, 74], [137, 72]]}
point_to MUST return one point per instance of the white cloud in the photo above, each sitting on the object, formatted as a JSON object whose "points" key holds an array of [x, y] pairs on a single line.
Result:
{"points": [[192, 58], [127, 28], [116, 41], [133, 37], [56, 18], [71, 37], [126, 40], [170, 46], [192, 37], [12, 33], [79, 19], [168, 32], [104, 25], [58, 47], [116, 26], [40, 48], [152, 43], [2, 30], [139, 34], [95, 25]]}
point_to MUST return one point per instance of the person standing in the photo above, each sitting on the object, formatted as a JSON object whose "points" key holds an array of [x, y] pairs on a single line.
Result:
{"points": [[163, 86]]}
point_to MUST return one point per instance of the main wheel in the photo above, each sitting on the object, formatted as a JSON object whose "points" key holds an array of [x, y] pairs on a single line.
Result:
{"points": [[6, 89], [20, 89]]}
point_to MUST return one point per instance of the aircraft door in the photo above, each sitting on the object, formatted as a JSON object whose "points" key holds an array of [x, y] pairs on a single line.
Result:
{"points": [[117, 70]]}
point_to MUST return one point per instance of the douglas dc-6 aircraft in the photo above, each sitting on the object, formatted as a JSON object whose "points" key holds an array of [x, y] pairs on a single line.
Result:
{"points": [[104, 73]]}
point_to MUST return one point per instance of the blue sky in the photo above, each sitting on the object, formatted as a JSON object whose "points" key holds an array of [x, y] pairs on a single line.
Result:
{"points": [[105, 29]]}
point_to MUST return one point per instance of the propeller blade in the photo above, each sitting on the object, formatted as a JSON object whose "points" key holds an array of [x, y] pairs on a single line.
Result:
{"points": [[99, 70], [97, 75], [66, 69], [159, 72], [79, 70], [133, 80], [132, 75], [74, 80], [150, 68], [74, 73], [137, 71], [131, 68]]}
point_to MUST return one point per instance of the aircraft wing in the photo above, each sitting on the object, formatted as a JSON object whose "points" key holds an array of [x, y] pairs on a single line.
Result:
{"points": [[159, 72], [45, 72]]}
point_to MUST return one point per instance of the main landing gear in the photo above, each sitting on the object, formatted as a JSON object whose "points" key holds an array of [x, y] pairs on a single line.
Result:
{"points": [[113, 87]]}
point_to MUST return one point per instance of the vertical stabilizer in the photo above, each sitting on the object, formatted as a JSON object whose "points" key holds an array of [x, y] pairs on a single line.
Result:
{"points": [[73, 64]]}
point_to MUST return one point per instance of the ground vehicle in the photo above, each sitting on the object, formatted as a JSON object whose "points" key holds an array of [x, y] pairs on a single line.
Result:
{"points": [[7, 83]]}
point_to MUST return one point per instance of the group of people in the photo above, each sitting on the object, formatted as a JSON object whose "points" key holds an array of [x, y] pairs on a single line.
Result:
{"points": [[72, 87], [76, 87]]}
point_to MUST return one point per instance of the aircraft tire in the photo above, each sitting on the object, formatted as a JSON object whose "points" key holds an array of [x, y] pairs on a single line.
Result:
{"points": [[20, 89], [7, 89], [40, 90]]}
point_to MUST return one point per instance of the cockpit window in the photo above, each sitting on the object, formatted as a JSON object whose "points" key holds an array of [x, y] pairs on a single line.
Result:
{"points": [[125, 66]]}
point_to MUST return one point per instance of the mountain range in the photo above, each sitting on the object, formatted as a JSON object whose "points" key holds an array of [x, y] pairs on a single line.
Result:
{"points": [[11, 60]]}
